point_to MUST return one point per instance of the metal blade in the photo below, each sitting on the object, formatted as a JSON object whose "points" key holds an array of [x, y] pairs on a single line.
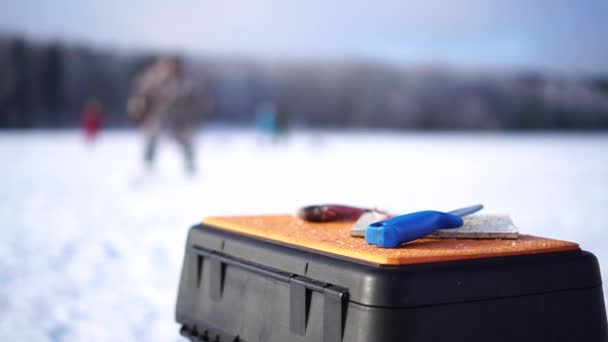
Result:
{"points": [[367, 218], [466, 210]]}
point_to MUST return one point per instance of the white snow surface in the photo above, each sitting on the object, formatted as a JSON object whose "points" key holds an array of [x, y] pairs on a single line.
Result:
{"points": [[92, 245]]}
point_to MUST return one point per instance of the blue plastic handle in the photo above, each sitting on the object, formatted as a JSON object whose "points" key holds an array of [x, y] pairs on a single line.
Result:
{"points": [[392, 232]]}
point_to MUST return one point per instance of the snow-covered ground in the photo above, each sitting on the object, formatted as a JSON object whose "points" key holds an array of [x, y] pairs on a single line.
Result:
{"points": [[91, 245]]}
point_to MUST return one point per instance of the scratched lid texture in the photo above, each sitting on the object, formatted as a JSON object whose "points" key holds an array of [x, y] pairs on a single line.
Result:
{"points": [[334, 238]]}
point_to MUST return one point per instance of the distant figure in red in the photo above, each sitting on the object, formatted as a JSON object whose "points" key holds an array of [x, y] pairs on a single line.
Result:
{"points": [[91, 119]]}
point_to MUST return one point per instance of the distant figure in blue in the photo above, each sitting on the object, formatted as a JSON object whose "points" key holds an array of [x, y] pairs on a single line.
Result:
{"points": [[270, 121]]}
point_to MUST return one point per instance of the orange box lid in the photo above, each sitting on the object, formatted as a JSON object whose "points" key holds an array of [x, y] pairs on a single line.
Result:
{"points": [[334, 238]]}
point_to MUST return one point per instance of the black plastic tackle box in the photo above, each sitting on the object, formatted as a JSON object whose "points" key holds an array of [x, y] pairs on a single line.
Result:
{"points": [[236, 286]]}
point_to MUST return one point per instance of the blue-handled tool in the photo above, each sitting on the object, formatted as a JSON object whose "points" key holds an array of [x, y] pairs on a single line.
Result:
{"points": [[394, 231]]}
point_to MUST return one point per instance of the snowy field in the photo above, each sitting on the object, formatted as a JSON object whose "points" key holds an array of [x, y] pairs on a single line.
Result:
{"points": [[91, 245]]}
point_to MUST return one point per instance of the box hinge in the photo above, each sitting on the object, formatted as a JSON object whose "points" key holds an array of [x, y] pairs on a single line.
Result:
{"points": [[204, 332]]}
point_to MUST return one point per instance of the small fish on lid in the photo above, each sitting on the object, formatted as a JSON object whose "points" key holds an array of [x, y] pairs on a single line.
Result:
{"points": [[330, 213]]}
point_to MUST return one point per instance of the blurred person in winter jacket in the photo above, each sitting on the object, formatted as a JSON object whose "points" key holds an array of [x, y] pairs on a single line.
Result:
{"points": [[163, 95]]}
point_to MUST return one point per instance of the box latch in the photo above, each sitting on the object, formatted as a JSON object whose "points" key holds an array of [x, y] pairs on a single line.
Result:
{"points": [[334, 298]]}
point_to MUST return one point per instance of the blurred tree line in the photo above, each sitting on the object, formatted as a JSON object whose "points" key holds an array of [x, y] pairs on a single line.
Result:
{"points": [[45, 86]]}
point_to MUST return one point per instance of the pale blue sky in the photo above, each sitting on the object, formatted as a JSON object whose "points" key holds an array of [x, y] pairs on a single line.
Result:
{"points": [[563, 35]]}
